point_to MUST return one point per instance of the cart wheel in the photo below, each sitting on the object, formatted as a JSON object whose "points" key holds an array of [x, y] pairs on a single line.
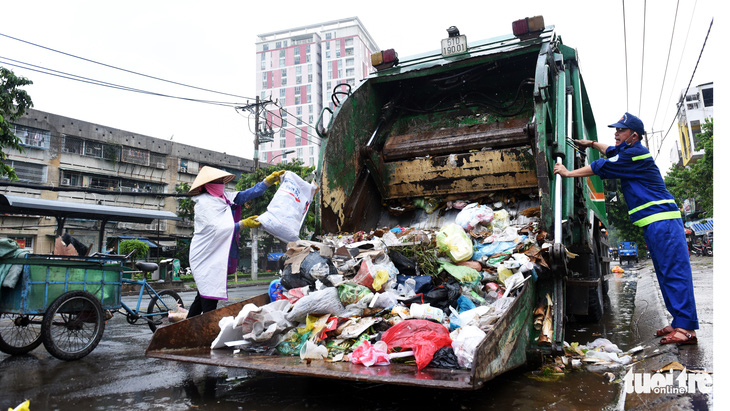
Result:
{"points": [[73, 325], [19, 334], [168, 301]]}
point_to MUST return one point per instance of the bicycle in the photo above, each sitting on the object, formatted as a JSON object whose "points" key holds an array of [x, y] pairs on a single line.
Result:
{"points": [[160, 303]]}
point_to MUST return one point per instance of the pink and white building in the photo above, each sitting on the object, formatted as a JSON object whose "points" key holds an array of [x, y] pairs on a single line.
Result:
{"points": [[298, 69]]}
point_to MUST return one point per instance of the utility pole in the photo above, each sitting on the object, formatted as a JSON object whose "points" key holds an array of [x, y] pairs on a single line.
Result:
{"points": [[255, 231], [256, 109]]}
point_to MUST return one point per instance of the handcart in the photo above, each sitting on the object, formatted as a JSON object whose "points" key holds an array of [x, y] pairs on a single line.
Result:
{"points": [[60, 301]]}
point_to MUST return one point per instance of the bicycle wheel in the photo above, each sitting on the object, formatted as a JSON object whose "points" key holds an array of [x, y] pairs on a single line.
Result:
{"points": [[161, 306], [73, 325], [19, 334]]}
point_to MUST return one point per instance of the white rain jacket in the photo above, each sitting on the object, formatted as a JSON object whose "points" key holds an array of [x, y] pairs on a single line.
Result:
{"points": [[214, 231]]}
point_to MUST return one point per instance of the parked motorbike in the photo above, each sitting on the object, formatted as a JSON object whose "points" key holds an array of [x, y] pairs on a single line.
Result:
{"points": [[702, 249]]}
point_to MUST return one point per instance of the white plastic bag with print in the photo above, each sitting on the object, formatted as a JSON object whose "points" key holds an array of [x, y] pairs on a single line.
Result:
{"points": [[286, 212]]}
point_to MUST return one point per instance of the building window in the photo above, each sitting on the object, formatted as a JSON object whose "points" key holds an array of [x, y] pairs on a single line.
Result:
{"points": [[34, 137], [349, 42], [350, 62], [26, 172], [266, 46], [350, 72], [707, 97]]}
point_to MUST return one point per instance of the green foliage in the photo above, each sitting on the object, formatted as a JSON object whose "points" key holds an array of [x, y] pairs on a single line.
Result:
{"points": [[258, 206], [126, 247], [182, 252], [696, 180], [13, 104], [185, 205]]}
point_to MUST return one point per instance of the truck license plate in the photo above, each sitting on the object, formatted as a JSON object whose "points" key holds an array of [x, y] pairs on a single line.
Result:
{"points": [[453, 45]]}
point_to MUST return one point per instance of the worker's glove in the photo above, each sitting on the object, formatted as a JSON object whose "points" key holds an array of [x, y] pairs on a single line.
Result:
{"points": [[274, 177], [250, 222]]}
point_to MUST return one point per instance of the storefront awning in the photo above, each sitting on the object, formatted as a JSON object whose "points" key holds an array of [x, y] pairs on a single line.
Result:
{"points": [[273, 256], [701, 227]]}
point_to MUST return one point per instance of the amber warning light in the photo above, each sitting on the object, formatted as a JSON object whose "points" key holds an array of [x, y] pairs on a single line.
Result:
{"points": [[527, 26], [384, 59]]}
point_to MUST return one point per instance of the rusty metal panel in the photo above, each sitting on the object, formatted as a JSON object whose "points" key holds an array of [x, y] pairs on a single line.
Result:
{"points": [[509, 133], [503, 169]]}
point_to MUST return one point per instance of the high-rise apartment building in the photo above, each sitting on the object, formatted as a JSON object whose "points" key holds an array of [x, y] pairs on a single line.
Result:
{"points": [[694, 110], [297, 70]]}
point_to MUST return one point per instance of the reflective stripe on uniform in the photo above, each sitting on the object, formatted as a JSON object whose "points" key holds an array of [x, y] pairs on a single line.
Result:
{"points": [[641, 157], [649, 204], [666, 215]]}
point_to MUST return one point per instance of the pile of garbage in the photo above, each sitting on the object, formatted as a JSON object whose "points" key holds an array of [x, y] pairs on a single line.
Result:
{"points": [[410, 295]]}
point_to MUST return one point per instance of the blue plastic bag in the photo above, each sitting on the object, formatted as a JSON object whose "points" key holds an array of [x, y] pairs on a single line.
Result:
{"points": [[276, 290]]}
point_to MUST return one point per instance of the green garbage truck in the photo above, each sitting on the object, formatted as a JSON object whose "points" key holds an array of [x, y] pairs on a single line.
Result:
{"points": [[481, 121]]}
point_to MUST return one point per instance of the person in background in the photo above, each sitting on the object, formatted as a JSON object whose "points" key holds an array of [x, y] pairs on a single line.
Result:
{"points": [[652, 208], [214, 248]]}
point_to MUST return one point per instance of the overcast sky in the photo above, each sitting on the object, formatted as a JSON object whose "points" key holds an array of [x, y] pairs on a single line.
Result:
{"points": [[211, 45]]}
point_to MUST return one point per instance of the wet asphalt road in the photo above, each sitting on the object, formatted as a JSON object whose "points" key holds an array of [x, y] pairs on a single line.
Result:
{"points": [[117, 376]]}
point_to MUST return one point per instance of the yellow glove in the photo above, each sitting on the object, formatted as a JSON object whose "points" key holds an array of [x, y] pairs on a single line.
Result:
{"points": [[250, 222], [274, 177]]}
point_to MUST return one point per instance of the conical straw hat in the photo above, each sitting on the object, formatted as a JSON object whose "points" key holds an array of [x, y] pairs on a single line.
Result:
{"points": [[209, 175]]}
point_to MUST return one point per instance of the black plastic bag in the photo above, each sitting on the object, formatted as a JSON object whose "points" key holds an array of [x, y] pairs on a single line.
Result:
{"points": [[305, 275], [445, 358], [424, 283], [404, 265], [441, 297]]}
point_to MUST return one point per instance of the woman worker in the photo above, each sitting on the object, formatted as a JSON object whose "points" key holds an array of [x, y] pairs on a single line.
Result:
{"points": [[214, 248]]}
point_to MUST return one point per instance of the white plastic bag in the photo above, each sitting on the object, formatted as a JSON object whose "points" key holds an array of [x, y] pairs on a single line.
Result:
{"points": [[286, 212], [473, 215], [465, 341]]}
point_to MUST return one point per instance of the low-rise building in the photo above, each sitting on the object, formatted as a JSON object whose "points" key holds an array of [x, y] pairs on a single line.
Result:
{"points": [[95, 164]]}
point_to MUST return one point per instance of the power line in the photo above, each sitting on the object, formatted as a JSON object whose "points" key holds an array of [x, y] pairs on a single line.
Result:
{"points": [[626, 56], [643, 48], [69, 76], [681, 58], [121, 69], [666, 66], [679, 106]]}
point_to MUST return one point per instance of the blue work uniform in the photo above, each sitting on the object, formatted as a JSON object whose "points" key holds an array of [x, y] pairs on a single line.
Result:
{"points": [[654, 209]]}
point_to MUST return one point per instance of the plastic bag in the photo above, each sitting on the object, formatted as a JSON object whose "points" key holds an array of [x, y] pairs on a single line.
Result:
{"points": [[276, 290], [350, 293], [466, 339], [473, 215], [312, 351], [366, 274], [501, 219], [178, 314], [325, 301], [370, 354], [445, 358], [464, 274], [286, 212], [453, 240], [422, 336]]}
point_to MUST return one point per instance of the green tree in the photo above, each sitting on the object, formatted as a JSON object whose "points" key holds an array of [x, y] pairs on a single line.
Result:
{"points": [[141, 249], [696, 181], [185, 205], [13, 104]]}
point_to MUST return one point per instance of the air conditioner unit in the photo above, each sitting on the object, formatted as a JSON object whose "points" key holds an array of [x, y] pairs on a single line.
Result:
{"points": [[66, 181], [182, 169], [161, 165]]}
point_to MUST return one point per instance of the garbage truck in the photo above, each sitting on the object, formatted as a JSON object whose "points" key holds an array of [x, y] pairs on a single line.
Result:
{"points": [[480, 122]]}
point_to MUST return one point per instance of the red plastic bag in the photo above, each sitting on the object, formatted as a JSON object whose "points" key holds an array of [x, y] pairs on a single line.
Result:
{"points": [[422, 336], [369, 355]]}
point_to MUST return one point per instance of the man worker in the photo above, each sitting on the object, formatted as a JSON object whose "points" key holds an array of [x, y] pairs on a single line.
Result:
{"points": [[652, 208]]}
